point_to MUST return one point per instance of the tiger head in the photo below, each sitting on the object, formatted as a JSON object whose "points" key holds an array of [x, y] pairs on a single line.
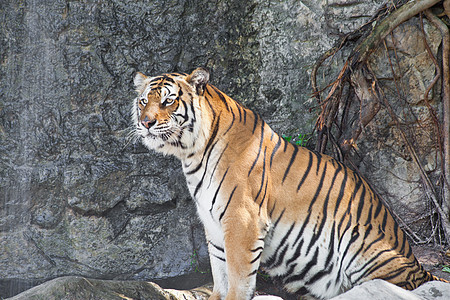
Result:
{"points": [[167, 112]]}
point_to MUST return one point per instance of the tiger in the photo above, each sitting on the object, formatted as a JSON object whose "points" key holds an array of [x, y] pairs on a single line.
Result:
{"points": [[304, 218]]}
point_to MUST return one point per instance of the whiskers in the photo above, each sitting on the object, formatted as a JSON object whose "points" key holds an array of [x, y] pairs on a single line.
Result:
{"points": [[172, 136], [131, 136], [166, 136]]}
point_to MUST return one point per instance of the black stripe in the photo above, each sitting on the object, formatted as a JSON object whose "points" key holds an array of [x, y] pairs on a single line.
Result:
{"points": [[319, 188], [277, 258], [361, 203], [317, 234], [377, 266], [294, 154], [217, 163], [341, 236], [352, 240], [263, 197], [272, 210], [301, 275], [319, 160], [208, 92], [240, 112], [218, 257], [317, 276], [169, 79], [262, 177], [259, 150], [302, 291], [210, 141], [278, 220], [257, 249], [221, 96], [397, 272], [300, 234], [217, 247], [374, 259], [305, 175], [296, 254], [226, 207], [330, 246], [395, 234], [157, 78], [200, 183], [232, 122], [208, 100], [185, 116], [380, 237], [255, 115], [355, 257], [383, 223], [367, 230], [369, 216], [275, 149], [341, 192], [286, 143], [256, 258], [217, 191], [408, 255], [194, 118], [378, 209], [352, 197]]}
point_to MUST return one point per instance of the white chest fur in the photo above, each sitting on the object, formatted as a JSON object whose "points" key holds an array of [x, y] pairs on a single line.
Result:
{"points": [[205, 190]]}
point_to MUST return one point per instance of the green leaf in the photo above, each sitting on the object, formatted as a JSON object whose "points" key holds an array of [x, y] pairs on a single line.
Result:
{"points": [[287, 138], [446, 268]]}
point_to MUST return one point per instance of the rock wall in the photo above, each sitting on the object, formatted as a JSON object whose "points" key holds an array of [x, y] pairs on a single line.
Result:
{"points": [[386, 160], [77, 195]]}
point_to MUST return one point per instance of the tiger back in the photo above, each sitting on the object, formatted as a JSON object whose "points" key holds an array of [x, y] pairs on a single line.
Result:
{"points": [[307, 219]]}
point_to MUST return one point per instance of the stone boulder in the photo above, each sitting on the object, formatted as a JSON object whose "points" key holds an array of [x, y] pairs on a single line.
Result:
{"points": [[381, 290], [76, 288]]}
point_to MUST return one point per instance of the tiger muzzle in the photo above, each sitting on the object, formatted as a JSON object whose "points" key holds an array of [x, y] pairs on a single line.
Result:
{"points": [[147, 123]]}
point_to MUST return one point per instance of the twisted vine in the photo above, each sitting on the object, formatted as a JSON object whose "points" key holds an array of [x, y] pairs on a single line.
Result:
{"points": [[356, 78]]}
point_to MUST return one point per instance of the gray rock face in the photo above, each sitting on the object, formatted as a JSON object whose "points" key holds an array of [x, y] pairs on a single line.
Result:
{"points": [[380, 290], [78, 196]]}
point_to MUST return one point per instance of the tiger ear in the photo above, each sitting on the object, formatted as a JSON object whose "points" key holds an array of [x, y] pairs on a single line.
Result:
{"points": [[139, 82], [198, 80]]}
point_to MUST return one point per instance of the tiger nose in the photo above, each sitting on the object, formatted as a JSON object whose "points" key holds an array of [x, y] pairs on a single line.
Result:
{"points": [[147, 123]]}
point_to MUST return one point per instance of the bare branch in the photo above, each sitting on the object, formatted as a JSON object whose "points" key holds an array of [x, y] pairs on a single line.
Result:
{"points": [[365, 87], [428, 186], [445, 97], [404, 13]]}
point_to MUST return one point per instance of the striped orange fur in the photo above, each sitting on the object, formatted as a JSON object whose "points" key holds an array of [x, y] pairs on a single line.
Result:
{"points": [[307, 219]]}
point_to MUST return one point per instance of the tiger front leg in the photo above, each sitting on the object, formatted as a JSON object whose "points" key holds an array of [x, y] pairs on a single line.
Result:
{"points": [[218, 269], [244, 243]]}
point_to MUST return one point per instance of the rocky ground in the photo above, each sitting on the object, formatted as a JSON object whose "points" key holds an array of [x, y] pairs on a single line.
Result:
{"points": [[433, 259], [74, 287]]}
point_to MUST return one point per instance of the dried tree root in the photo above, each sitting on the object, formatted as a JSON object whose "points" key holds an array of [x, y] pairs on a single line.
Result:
{"points": [[368, 91], [404, 13], [428, 186], [357, 60], [445, 96]]}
